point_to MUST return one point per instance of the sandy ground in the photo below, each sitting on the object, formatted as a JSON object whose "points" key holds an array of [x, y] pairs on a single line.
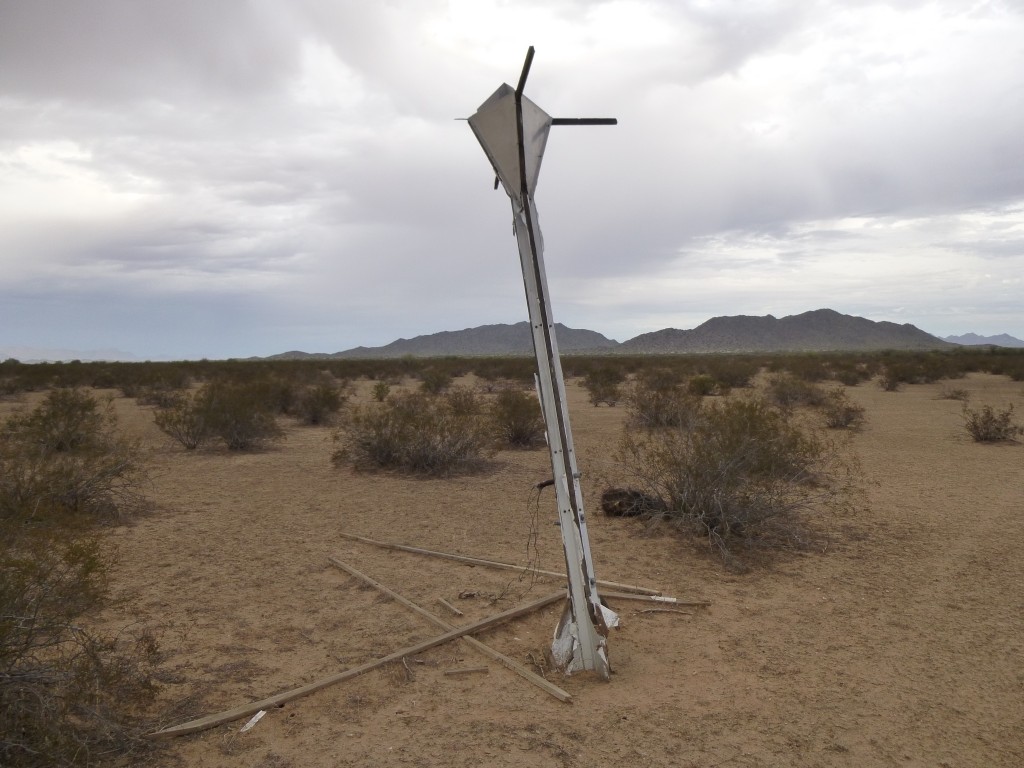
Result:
{"points": [[900, 644]]}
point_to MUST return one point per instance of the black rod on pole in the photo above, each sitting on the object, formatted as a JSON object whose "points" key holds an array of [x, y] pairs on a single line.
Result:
{"points": [[584, 121], [526, 72]]}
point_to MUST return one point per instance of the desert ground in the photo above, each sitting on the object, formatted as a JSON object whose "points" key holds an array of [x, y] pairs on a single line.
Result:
{"points": [[897, 641]]}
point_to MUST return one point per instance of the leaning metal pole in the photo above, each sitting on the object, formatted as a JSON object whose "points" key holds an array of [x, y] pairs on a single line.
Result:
{"points": [[513, 133]]}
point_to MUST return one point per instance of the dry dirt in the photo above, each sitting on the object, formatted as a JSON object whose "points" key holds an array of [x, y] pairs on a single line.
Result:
{"points": [[900, 644]]}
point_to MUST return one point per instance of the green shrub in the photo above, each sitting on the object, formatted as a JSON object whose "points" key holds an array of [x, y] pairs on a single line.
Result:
{"points": [[990, 426], [434, 435], [381, 390], [517, 418], [740, 473]]}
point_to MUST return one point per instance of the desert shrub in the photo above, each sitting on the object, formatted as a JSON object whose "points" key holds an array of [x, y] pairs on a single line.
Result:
{"points": [[517, 418], [318, 404], [381, 390], [954, 393], [186, 420], [987, 425], [433, 435], [731, 372], [741, 473], [840, 412], [702, 385], [66, 458], [434, 381], [788, 391], [653, 403], [66, 695], [66, 419], [239, 413], [890, 381], [604, 385]]}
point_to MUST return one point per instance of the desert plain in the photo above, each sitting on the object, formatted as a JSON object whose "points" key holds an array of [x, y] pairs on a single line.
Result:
{"points": [[897, 640]]}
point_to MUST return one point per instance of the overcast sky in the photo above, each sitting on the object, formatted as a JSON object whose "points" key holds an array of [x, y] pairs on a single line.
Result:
{"points": [[224, 179]]}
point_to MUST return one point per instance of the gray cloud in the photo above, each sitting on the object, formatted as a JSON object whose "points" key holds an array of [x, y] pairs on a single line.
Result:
{"points": [[298, 167]]}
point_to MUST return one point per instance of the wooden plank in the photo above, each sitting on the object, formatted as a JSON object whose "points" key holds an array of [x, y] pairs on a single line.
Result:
{"points": [[466, 671], [211, 721], [499, 657], [656, 599], [450, 607], [494, 564]]}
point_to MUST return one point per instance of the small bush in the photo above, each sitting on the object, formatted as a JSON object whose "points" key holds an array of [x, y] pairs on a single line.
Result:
{"points": [[654, 404], [604, 386], [65, 458], [381, 390], [239, 414], [433, 435], [741, 473], [990, 426], [319, 404], [517, 418], [952, 393], [840, 412], [186, 421], [702, 385], [788, 391], [434, 381]]}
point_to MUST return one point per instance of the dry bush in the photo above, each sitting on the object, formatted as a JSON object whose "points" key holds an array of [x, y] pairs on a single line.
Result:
{"points": [[419, 433], [517, 419], [318, 404], [66, 458], [240, 413], [787, 391], [740, 473], [840, 412], [604, 385], [660, 401], [185, 421], [66, 695], [953, 393], [990, 426]]}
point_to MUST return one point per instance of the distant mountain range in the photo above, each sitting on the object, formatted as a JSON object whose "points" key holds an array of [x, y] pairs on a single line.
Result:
{"points": [[819, 330], [974, 340]]}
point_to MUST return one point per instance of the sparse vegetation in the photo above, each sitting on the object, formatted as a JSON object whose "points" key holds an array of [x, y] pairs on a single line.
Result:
{"points": [[66, 694], [381, 390], [241, 414], [419, 433], [660, 400], [987, 425], [841, 412], [319, 403], [787, 391], [737, 471], [517, 418], [604, 385]]}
